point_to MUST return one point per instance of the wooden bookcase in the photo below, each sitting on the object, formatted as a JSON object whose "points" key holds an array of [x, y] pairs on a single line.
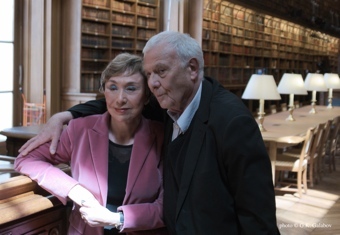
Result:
{"points": [[109, 28], [106, 28], [238, 42]]}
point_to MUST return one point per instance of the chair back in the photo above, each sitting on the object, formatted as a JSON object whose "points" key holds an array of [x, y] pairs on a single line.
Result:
{"points": [[308, 143], [33, 113], [273, 108], [314, 151], [334, 131], [284, 107], [324, 138]]}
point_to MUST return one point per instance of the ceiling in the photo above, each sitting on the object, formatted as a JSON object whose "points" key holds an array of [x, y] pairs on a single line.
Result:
{"points": [[320, 15]]}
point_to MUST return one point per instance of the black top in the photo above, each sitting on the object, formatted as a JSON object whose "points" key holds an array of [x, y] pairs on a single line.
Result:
{"points": [[118, 168], [119, 160]]}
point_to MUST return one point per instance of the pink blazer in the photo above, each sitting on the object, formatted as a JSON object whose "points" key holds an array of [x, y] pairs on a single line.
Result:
{"points": [[84, 144]]}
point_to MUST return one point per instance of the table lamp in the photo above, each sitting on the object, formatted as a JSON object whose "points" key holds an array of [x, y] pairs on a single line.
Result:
{"points": [[261, 87], [332, 81], [314, 82], [291, 84]]}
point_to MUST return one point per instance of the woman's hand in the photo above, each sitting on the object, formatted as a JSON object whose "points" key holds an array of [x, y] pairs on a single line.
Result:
{"points": [[91, 211], [97, 215], [50, 132]]}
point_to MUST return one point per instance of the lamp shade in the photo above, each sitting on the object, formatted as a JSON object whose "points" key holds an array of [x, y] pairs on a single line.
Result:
{"points": [[292, 83], [315, 82], [332, 80], [261, 87]]}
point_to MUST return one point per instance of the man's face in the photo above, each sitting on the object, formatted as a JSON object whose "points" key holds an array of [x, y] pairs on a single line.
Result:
{"points": [[170, 82]]}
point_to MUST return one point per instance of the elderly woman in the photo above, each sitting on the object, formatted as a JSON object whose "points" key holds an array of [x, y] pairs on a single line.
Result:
{"points": [[116, 182]]}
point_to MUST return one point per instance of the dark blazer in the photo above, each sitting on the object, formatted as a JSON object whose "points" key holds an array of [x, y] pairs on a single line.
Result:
{"points": [[226, 184]]}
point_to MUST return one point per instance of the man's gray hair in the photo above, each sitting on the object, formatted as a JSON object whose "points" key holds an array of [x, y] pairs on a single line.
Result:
{"points": [[185, 46]]}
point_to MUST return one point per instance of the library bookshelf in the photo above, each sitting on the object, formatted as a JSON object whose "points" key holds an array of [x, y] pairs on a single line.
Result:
{"points": [[238, 42], [105, 28]]}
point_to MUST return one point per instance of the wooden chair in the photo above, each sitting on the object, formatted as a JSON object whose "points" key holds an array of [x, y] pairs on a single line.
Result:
{"points": [[313, 171], [331, 144], [273, 108], [33, 113], [297, 104], [313, 155], [284, 107], [296, 163], [321, 149]]}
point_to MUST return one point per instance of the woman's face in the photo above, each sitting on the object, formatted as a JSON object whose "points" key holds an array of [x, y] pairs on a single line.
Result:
{"points": [[125, 97]]}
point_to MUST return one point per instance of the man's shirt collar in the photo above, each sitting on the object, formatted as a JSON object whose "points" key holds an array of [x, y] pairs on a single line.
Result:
{"points": [[183, 121]]}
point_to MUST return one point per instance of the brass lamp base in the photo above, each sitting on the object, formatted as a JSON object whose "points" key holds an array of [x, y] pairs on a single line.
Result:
{"points": [[261, 120], [330, 106], [313, 110], [290, 117]]}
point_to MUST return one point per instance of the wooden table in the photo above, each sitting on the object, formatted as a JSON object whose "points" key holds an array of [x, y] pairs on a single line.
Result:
{"points": [[17, 136], [40, 212], [280, 133], [27, 209]]}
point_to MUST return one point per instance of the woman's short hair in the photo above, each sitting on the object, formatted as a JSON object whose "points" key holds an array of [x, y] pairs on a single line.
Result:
{"points": [[124, 63]]}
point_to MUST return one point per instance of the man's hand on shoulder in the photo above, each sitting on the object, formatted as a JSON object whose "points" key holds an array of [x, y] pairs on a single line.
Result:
{"points": [[50, 132]]}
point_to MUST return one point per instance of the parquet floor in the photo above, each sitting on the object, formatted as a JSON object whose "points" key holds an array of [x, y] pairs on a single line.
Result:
{"points": [[315, 213]]}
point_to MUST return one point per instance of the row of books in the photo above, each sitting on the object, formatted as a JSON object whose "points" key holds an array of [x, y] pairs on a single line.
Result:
{"points": [[146, 22], [228, 76], [102, 3], [122, 6], [140, 45], [255, 61], [130, 19], [94, 53], [90, 82], [93, 67], [92, 27], [123, 18], [154, 2], [145, 33], [283, 38], [95, 13], [297, 47], [236, 76], [127, 31], [267, 40], [119, 30], [148, 11], [94, 41], [123, 43]]}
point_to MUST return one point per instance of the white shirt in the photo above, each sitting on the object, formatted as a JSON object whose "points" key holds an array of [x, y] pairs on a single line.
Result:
{"points": [[182, 123]]}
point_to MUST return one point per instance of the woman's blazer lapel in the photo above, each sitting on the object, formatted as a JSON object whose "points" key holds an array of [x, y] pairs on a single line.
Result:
{"points": [[99, 147], [143, 142]]}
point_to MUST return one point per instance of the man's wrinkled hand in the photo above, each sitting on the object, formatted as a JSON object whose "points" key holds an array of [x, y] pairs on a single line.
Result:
{"points": [[50, 132]]}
